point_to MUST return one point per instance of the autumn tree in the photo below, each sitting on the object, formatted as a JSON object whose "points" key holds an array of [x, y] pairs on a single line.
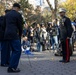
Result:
{"points": [[70, 6], [27, 10], [31, 15], [2, 9], [53, 10], [46, 14]]}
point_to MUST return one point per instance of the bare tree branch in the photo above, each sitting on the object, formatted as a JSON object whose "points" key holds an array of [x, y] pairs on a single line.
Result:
{"points": [[49, 5]]}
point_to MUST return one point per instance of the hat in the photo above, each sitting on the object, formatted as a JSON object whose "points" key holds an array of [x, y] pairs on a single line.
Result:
{"points": [[62, 10], [16, 5]]}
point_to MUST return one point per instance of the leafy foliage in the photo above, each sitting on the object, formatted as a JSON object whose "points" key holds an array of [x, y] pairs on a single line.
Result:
{"points": [[1, 9], [70, 6], [31, 15], [53, 11]]}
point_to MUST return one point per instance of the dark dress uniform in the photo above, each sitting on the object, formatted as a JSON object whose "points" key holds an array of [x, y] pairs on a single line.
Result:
{"points": [[65, 31], [5, 52], [13, 32]]}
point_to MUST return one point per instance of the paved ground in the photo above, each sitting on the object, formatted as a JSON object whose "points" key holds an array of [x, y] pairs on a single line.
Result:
{"points": [[44, 63]]}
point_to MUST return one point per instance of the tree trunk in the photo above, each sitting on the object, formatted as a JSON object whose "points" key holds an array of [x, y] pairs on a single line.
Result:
{"points": [[54, 11], [53, 14], [56, 5]]}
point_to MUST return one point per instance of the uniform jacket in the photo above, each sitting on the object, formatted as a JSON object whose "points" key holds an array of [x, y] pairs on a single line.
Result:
{"points": [[65, 28], [14, 26]]}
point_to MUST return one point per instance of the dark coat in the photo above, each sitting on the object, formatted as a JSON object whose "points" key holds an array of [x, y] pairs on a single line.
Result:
{"points": [[65, 28], [2, 27], [54, 30], [13, 25]]}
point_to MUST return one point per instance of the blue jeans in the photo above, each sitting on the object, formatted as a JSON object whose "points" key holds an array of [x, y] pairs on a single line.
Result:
{"points": [[16, 53], [39, 47], [54, 41]]}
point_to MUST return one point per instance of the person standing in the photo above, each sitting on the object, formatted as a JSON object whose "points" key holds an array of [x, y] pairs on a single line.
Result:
{"points": [[65, 35], [55, 37], [13, 32], [5, 52], [38, 29], [43, 36]]}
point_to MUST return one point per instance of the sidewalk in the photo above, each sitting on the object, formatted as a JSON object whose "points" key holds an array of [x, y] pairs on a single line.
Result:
{"points": [[44, 63]]}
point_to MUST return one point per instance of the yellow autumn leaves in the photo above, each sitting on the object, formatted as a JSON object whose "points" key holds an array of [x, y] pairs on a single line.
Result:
{"points": [[70, 6]]}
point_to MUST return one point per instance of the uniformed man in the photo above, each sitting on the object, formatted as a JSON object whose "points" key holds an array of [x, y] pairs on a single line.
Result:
{"points": [[5, 52], [13, 32], [65, 34]]}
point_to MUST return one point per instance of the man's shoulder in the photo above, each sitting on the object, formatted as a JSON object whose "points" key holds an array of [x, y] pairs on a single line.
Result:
{"points": [[13, 12], [67, 18], [17, 13]]}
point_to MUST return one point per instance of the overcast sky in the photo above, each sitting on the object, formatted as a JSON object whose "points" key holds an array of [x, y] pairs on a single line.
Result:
{"points": [[40, 2]]}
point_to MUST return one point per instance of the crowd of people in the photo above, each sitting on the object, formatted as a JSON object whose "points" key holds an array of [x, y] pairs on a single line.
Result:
{"points": [[15, 38], [45, 36]]}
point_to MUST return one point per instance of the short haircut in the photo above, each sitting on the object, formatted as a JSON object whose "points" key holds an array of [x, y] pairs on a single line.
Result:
{"points": [[16, 5]]}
